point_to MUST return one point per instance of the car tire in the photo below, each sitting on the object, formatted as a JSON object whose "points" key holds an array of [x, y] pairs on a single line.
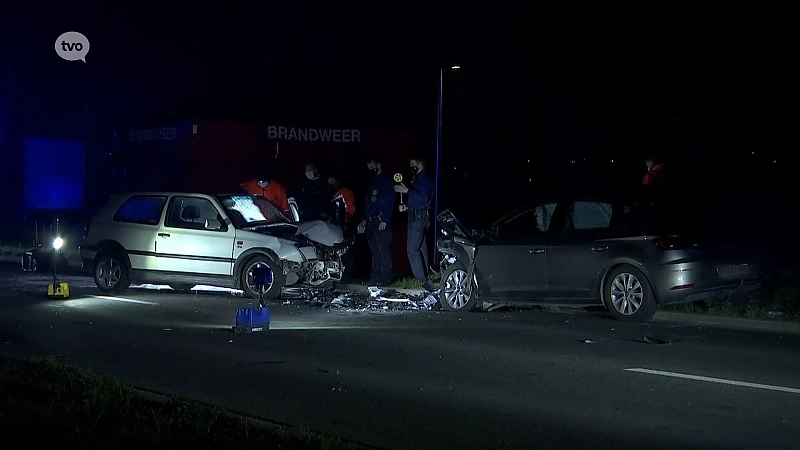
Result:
{"points": [[624, 286], [452, 296], [181, 287], [278, 278], [111, 273]]}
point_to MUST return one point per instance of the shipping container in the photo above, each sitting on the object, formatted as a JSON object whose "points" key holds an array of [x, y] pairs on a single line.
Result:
{"points": [[213, 156]]}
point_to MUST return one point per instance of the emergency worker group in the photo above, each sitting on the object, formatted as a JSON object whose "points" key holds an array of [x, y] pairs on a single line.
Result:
{"points": [[334, 202]]}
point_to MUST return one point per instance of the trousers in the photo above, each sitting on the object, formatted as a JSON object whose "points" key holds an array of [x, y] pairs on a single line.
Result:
{"points": [[380, 246], [417, 249]]}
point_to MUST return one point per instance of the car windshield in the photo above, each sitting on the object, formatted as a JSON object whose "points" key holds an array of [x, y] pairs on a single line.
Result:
{"points": [[251, 211]]}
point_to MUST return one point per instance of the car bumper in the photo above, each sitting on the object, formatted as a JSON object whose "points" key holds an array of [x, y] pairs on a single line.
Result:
{"points": [[87, 259], [692, 282]]}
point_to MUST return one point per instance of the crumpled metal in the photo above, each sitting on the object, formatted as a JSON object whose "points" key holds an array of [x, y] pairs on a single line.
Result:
{"points": [[375, 299], [384, 301]]}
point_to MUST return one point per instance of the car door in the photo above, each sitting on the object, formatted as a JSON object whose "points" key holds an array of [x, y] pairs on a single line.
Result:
{"points": [[512, 263], [135, 226], [578, 249], [184, 245]]}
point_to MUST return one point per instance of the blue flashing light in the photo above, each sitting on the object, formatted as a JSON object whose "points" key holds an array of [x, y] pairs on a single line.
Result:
{"points": [[54, 174]]}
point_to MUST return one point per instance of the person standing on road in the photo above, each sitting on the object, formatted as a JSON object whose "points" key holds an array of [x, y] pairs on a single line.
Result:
{"points": [[310, 195], [420, 195], [342, 211], [377, 221], [270, 189]]}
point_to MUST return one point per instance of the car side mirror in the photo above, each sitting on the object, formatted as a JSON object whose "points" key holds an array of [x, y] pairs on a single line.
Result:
{"points": [[213, 224]]}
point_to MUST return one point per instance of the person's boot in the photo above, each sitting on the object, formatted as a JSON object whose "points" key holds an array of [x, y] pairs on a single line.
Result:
{"points": [[430, 287]]}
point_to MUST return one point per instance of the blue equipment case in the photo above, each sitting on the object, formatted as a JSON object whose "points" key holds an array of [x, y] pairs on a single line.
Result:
{"points": [[251, 320]]}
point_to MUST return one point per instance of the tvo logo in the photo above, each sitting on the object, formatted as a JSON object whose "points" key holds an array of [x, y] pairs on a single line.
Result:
{"points": [[72, 46]]}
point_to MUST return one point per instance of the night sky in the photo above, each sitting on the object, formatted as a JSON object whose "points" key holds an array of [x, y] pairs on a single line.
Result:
{"points": [[543, 83]]}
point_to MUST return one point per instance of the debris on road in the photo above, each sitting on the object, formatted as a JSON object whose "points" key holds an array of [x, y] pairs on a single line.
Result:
{"points": [[379, 300]]}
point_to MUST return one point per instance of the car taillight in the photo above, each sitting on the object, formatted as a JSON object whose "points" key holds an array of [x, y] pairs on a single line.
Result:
{"points": [[674, 243]]}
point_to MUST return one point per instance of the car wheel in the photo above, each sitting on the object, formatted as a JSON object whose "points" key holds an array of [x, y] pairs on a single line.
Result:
{"points": [[110, 273], [628, 295], [271, 292], [457, 293], [182, 287]]}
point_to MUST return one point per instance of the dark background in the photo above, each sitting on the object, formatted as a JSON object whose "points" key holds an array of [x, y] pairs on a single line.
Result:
{"points": [[710, 88]]}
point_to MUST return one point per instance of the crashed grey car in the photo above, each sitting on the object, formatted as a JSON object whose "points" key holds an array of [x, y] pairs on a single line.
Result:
{"points": [[625, 254], [188, 239]]}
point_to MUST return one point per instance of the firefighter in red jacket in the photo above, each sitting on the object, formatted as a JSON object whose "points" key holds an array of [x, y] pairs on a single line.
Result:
{"points": [[270, 189], [655, 171], [342, 212], [343, 203]]}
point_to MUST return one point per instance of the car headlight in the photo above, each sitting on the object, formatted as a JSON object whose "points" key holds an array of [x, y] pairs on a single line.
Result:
{"points": [[58, 243]]}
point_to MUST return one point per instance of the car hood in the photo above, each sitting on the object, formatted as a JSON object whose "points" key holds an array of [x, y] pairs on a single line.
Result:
{"points": [[321, 232], [450, 225]]}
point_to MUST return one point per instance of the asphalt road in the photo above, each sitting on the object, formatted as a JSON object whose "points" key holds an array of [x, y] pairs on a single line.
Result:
{"points": [[429, 379]]}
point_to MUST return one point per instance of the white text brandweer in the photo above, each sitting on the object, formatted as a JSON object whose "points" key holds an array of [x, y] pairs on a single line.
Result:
{"points": [[312, 134]]}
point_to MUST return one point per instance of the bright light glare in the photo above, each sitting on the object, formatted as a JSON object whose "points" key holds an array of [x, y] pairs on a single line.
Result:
{"points": [[456, 67], [58, 243]]}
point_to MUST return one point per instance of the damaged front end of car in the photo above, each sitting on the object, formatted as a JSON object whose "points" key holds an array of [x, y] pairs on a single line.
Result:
{"points": [[456, 243], [311, 253], [459, 246], [327, 267], [323, 264]]}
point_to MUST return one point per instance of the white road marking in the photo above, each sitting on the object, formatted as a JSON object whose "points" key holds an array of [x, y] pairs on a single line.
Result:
{"points": [[717, 380], [124, 300]]}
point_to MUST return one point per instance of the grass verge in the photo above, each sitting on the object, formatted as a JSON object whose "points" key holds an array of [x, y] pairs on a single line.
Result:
{"points": [[781, 304], [413, 283], [53, 402], [18, 250]]}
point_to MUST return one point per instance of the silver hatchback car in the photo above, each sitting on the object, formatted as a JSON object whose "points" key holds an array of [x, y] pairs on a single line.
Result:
{"points": [[627, 255]]}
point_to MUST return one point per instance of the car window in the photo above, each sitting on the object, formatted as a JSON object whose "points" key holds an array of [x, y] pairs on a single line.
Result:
{"points": [[251, 210], [528, 221], [191, 213], [589, 216], [142, 209]]}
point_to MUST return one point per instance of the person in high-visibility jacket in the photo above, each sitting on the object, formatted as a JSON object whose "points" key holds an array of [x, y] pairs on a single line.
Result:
{"points": [[270, 189], [343, 203]]}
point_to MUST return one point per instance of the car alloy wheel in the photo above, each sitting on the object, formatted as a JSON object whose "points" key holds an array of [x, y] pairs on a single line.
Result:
{"points": [[250, 284], [109, 273], [627, 294], [457, 289]]}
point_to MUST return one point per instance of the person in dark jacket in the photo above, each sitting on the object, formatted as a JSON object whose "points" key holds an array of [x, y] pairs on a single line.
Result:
{"points": [[310, 195], [420, 194], [377, 223]]}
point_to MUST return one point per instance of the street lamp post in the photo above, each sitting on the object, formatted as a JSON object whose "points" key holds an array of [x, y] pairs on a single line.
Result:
{"points": [[438, 164]]}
